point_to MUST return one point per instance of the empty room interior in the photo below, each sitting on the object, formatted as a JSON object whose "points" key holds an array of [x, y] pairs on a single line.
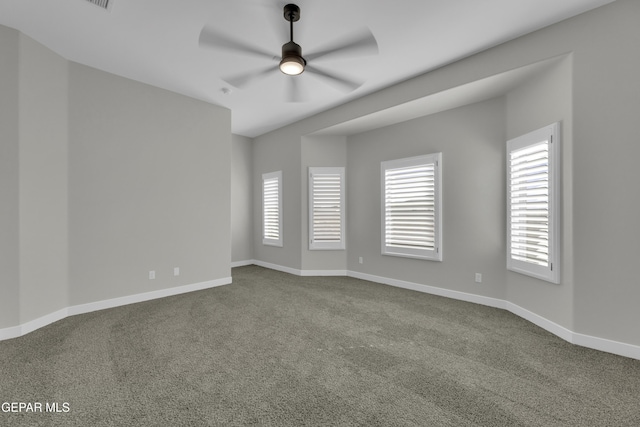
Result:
{"points": [[164, 258]]}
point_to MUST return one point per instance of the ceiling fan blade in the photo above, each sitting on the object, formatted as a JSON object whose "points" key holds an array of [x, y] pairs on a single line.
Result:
{"points": [[244, 79], [359, 44], [213, 39], [293, 90], [342, 83]]}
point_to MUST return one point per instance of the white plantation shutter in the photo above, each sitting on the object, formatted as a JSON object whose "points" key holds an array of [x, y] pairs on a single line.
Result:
{"points": [[532, 194], [272, 208], [326, 208], [411, 207], [530, 204]]}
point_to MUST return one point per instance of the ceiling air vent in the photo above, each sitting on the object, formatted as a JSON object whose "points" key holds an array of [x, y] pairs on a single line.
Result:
{"points": [[102, 3]]}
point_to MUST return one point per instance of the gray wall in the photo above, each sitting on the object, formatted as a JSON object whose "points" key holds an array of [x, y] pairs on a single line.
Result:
{"points": [[471, 140], [9, 178], [275, 152], [149, 188], [102, 180], [43, 187], [241, 199], [594, 90], [606, 174]]}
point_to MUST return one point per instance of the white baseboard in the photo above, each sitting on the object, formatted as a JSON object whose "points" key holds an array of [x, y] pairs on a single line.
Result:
{"points": [[290, 270], [147, 296], [12, 332], [32, 325], [540, 321], [235, 264], [462, 296], [602, 344], [324, 273], [278, 267], [40, 322]]}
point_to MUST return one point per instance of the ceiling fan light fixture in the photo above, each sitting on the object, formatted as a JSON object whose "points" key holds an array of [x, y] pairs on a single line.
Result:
{"points": [[292, 65], [292, 62]]}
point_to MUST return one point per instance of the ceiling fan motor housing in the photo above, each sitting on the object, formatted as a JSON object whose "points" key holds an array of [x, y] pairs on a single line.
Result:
{"points": [[292, 61]]}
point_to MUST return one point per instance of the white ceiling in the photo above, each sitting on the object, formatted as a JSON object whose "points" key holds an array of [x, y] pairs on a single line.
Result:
{"points": [[156, 42]]}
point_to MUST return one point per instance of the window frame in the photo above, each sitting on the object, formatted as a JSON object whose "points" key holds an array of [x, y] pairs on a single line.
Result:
{"points": [[550, 135], [270, 241], [436, 253], [329, 245]]}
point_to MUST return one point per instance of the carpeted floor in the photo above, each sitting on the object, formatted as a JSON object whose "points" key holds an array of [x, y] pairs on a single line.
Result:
{"points": [[274, 349]]}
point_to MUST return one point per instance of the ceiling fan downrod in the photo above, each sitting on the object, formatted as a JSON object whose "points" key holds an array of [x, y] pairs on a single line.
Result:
{"points": [[292, 62]]}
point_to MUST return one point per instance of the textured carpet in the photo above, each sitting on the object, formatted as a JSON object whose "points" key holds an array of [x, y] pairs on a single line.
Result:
{"points": [[279, 350]]}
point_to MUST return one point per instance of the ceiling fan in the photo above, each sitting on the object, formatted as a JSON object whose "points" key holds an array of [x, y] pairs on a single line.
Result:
{"points": [[292, 62]]}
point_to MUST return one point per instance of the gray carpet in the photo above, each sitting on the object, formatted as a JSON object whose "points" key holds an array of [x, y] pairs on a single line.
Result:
{"points": [[279, 350]]}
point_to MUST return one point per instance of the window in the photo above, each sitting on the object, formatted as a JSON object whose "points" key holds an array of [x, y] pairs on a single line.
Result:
{"points": [[411, 207], [272, 208], [326, 208], [533, 204]]}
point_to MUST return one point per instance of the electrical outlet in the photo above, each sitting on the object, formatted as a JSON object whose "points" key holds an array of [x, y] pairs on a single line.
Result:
{"points": [[176, 271], [360, 260], [152, 274], [478, 278]]}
